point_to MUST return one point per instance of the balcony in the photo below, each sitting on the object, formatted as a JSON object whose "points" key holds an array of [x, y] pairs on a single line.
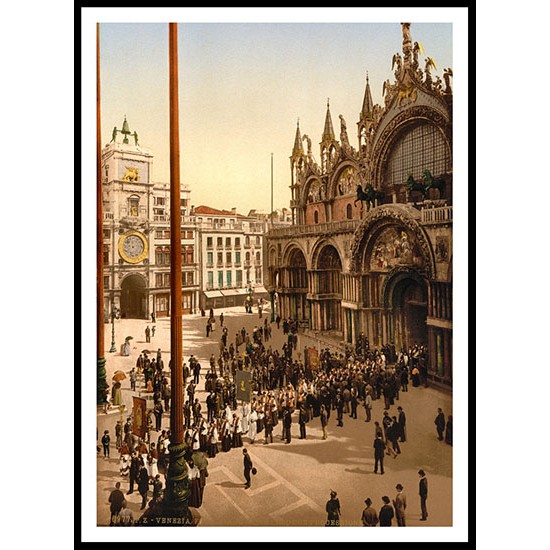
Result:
{"points": [[437, 215], [237, 264], [344, 226], [247, 263], [210, 264]]}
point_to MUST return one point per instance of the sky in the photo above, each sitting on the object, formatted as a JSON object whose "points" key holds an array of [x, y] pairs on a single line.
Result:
{"points": [[242, 89]]}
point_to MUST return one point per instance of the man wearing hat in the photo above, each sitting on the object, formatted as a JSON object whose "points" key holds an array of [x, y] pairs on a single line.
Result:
{"points": [[400, 503], [247, 461], [333, 511], [423, 492], [386, 513], [370, 517], [379, 448]]}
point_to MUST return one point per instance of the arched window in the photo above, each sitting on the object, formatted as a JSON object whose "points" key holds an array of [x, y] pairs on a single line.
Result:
{"points": [[316, 216], [133, 205], [258, 258], [166, 255], [158, 255], [418, 148], [349, 212]]}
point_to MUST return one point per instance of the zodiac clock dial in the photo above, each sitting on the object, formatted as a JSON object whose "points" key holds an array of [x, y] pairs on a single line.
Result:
{"points": [[132, 247]]}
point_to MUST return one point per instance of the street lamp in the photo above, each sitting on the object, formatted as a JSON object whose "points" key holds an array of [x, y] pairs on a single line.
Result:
{"points": [[271, 296], [113, 346]]}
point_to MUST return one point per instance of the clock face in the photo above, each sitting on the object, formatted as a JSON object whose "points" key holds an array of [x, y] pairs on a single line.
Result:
{"points": [[132, 247]]}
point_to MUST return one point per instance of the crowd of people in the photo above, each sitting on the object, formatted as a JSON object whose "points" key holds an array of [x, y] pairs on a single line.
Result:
{"points": [[284, 390]]}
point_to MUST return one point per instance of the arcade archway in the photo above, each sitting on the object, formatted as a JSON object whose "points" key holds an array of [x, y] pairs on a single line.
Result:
{"points": [[133, 298], [327, 285], [408, 304]]}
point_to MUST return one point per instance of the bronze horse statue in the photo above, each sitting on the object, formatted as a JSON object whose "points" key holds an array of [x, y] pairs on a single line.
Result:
{"points": [[369, 196], [413, 185], [433, 183], [428, 182]]}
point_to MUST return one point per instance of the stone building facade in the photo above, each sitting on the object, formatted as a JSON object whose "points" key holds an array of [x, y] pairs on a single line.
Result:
{"points": [[231, 257], [381, 265], [136, 234]]}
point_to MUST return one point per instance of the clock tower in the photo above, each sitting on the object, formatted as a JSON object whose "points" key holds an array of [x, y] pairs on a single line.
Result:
{"points": [[127, 190], [136, 232]]}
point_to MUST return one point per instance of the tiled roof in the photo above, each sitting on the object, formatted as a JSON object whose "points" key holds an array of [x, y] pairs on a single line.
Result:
{"points": [[207, 210]]}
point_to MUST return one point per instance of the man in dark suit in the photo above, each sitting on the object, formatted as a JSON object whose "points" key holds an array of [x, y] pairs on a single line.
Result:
{"points": [[116, 498], [339, 404], [247, 461], [143, 485], [379, 448], [287, 424], [423, 492], [134, 472], [386, 513], [303, 418], [401, 421], [440, 424]]}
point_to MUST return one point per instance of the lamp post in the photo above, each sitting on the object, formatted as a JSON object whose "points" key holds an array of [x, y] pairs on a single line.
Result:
{"points": [[113, 346], [272, 298]]}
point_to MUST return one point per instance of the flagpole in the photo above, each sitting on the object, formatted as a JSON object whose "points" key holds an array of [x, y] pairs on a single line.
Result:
{"points": [[101, 371], [272, 190], [173, 510]]}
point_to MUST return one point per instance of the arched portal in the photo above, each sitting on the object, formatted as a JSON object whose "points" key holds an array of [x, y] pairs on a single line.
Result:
{"points": [[133, 298], [328, 290], [294, 286], [407, 299]]}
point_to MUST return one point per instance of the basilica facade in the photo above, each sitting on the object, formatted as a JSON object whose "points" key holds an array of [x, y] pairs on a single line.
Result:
{"points": [[370, 247]]}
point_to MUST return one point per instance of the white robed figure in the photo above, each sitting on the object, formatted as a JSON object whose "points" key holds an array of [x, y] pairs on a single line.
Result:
{"points": [[228, 412], [245, 420], [253, 427]]}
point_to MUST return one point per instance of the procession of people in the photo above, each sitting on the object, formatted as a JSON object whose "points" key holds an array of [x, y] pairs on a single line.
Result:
{"points": [[284, 391]]}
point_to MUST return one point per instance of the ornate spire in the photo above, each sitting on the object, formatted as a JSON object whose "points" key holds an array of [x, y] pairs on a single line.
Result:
{"points": [[368, 106], [298, 147], [125, 130], [407, 43], [328, 132]]}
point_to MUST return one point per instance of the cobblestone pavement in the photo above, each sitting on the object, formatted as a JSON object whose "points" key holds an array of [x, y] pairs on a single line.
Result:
{"points": [[293, 481]]}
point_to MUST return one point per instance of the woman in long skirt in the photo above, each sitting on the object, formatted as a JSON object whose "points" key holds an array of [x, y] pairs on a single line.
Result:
{"points": [[226, 436], [212, 441], [124, 460], [195, 499], [236, 431]]}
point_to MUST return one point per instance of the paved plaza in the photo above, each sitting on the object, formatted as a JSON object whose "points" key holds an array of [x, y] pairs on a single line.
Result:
{"points": [[294, 480]]}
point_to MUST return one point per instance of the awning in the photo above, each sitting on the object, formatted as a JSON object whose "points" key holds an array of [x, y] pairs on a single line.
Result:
{"points": [[212, 293], [234, 292], [260, 290], [230, 292]]}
